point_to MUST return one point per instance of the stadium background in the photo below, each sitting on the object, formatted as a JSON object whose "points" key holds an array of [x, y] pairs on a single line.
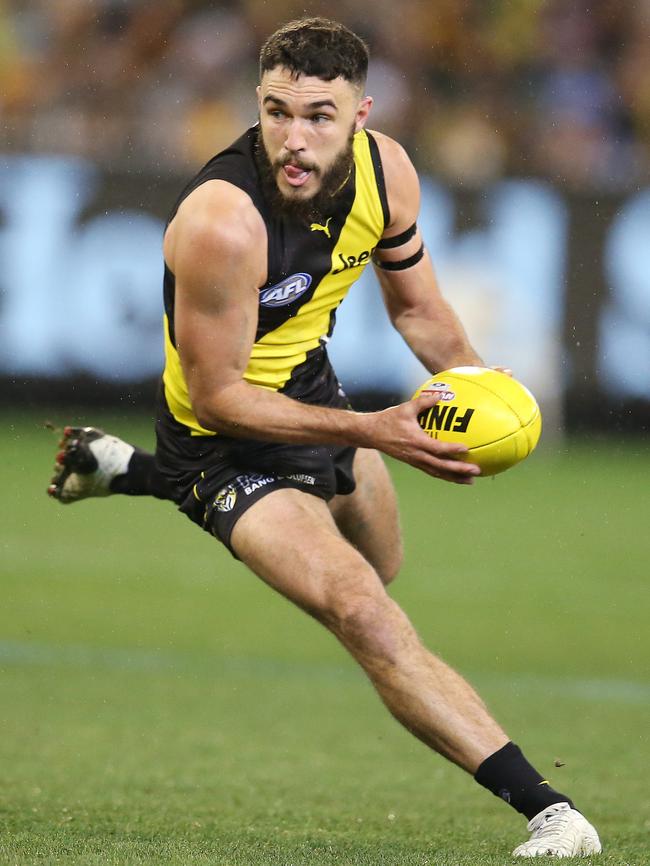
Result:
{"points": [[159, 705], [530, 122]]}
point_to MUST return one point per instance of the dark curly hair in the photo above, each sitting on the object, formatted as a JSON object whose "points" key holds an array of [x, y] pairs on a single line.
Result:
{"points": [[318, 47]]}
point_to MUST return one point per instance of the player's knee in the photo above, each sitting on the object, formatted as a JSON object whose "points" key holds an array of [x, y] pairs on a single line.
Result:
{"points": [[365, 622], [345, 602]]}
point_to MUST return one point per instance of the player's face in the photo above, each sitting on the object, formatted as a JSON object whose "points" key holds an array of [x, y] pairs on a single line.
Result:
{"points": [[306, 128]]}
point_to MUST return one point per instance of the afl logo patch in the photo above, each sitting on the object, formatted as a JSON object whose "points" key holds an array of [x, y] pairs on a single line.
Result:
{"points": [[286, 291]]}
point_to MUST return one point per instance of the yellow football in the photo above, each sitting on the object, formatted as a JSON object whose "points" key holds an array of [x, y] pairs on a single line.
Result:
{"points": [[490, 412]]}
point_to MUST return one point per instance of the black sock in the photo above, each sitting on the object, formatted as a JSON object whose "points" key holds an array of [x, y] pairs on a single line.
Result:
{"points": [[508, 775], [142, 478]]}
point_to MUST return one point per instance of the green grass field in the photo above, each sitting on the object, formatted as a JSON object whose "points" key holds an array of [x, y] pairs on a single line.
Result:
{"points": [[161, 706]]}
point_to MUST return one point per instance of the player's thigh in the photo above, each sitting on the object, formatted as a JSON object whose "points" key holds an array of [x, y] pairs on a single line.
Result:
{"points": [[290, 540], [369, 516]]}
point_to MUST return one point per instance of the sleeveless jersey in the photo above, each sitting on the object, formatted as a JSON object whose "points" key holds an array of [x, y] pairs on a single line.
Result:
{"points": [[310, 270]]}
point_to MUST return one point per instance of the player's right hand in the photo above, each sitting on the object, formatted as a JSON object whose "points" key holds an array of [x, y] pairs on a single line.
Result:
{"points": [[397, 432]]}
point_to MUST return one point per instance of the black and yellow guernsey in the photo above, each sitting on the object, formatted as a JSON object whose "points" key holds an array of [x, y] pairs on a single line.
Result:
{"points": [[310, 270]]}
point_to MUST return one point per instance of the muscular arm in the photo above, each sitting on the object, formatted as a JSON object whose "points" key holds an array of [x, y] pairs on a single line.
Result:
{"points": [[216, 247], [415, 305]]}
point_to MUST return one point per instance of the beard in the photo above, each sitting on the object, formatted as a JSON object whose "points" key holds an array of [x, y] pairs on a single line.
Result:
{"points": [[313, 208]]}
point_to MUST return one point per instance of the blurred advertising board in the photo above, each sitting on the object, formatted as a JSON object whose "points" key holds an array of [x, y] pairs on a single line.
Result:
{"points": [[555, 286]]}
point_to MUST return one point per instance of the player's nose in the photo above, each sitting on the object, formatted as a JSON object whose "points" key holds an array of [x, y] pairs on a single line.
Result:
{"points": [[295, 140]]}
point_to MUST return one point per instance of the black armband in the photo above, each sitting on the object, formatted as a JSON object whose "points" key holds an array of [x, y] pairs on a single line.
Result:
{"points": [[403, 264], [398, 240]]}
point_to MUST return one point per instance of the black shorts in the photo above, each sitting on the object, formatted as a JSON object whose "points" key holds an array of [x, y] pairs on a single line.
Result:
{"points": [[215, 479], [222, 492]]}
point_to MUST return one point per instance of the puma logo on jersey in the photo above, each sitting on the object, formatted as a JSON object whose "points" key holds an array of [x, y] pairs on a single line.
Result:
{"points": [[317, 227]]}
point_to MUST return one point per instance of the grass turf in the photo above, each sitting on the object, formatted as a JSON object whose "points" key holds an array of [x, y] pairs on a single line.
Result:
{"points": [[161, 706]]}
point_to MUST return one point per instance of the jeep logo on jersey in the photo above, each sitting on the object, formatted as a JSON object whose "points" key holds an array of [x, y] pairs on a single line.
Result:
{"points": [[286, 291], [354, 261]]}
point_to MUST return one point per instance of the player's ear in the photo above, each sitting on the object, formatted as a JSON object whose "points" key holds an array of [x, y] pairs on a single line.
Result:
{"points": [[258, 91], [363, 110]]}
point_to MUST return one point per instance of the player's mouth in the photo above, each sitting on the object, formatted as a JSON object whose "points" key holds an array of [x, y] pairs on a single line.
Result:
{"points": [[296, 175]]}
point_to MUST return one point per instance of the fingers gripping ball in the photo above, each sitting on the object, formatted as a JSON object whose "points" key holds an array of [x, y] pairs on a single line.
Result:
{"points": [[490, 412]]}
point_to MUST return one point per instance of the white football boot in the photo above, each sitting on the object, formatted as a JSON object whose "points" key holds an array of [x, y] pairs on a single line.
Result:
{"points": [[559, 831], [88, 461]]}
